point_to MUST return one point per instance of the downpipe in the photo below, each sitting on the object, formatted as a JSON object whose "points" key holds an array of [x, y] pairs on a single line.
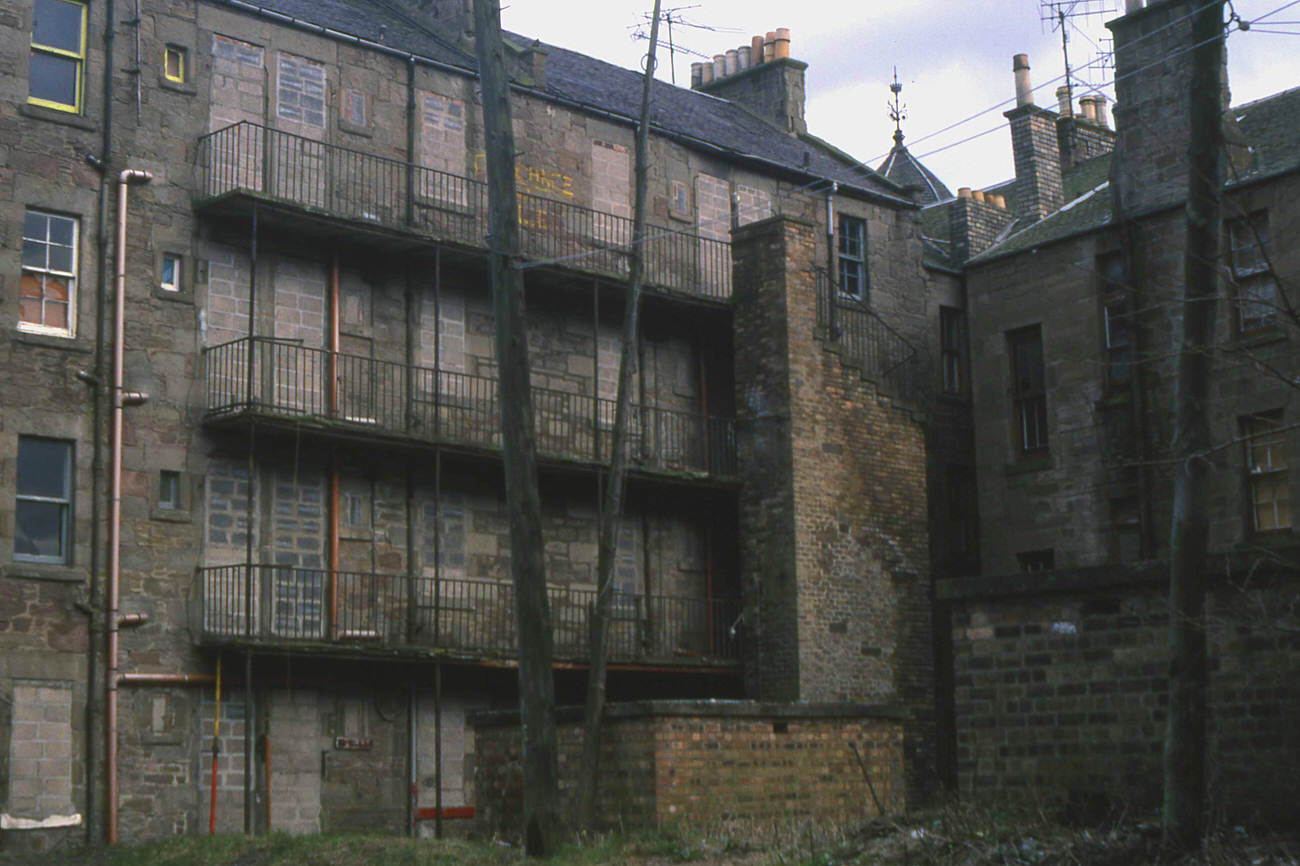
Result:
{"points": [[120, 397]]}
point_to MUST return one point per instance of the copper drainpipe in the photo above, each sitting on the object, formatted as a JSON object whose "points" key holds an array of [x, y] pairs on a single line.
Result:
{"points": [[120, 398]]}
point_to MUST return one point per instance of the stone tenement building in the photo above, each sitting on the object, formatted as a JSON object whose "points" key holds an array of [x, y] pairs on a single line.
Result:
{"points": [[286, 515], [1063, 287]]}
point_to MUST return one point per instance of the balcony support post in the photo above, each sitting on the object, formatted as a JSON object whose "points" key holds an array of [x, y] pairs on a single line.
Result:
{"points": [[248, 743], [410, 141], [437, 343]]}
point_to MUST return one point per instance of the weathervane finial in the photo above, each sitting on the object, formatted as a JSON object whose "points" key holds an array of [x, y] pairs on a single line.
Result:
{"points": [[897, 111]]}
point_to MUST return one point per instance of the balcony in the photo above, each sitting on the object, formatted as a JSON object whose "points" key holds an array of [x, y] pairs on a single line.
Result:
{"points": [[273, 379], [246, 163], [357, 612]]}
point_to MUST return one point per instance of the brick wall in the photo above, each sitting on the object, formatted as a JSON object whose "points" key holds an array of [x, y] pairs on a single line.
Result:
{"points": [[834, 543], [1038, 161], [697, 763], [1061, 688]]}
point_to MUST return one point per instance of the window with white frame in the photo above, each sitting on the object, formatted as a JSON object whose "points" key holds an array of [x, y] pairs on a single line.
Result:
{"points": [[43, 501], [1252, 276], [1266, 471], [48, 298]]}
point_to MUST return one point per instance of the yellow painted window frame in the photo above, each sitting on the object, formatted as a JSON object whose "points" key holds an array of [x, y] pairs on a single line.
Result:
{"points": [[79, 56], [168, 50]]}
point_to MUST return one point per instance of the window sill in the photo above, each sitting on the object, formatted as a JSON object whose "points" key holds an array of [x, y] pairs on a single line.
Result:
{"points": [[182, 87], [170, 515], [180, 297], [353, 129], [954, 397], [1030, 464], [49, 341], [67, 118], [45, 571], [1260, 337]]}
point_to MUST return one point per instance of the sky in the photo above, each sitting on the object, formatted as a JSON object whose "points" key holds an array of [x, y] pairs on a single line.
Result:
{"points": [[953, 59]]}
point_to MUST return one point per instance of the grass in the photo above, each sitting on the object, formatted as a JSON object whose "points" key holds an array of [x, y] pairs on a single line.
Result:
{"points": [[988, 832]]}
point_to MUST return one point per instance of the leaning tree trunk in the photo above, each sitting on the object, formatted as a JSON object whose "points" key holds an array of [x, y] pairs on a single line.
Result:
{"points": [[1185, 738], [523, 503], [611, 513]]}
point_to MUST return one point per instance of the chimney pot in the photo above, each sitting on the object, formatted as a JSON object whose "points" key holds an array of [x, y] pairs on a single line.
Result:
{"points": [[731, 62], [1103, 118], [1024, 90], [1063, 101], [706, 73], [755, 50], [996, 200], [769, 46], [697, 75], [978, 195], [719, 66], [744, 57], [1088, 108], [964, 192], [782, 42]]}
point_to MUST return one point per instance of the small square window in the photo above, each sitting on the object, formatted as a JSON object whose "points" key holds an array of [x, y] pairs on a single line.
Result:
{"points": [[169, 278], [174, 64], [169, 490], [355, 109]]}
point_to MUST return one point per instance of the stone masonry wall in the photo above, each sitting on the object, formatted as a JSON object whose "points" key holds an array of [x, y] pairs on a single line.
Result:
{"points": [[1063, 693], [697, 764]]}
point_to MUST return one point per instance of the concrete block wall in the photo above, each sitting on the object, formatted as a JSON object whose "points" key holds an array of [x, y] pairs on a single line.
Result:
{"points": [[40, 750]]}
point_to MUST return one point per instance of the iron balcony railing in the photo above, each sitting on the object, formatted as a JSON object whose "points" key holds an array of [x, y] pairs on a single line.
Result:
{"points": [[286, 379], [884, 355], [361, 610], [381, 191]]}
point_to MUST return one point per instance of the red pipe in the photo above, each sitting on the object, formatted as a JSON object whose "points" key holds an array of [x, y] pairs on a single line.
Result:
{"points": [[119, 396], [446, 813]]}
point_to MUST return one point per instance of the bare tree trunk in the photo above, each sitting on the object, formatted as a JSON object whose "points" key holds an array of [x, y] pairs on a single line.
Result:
{"points": [[1185, 738], [611, 512], [523, 503]]}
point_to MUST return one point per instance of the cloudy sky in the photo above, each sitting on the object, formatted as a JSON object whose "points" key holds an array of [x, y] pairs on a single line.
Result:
{"points": [[953, 58]]}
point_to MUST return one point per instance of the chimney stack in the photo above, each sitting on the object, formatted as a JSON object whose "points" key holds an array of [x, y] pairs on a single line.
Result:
{"points": [[1036, 149], [1154, 70], [760, 76]]}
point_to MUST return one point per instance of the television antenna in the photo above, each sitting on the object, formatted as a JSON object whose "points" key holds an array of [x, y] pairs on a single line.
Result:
{"points": [[1064, 15], [673, 16]]}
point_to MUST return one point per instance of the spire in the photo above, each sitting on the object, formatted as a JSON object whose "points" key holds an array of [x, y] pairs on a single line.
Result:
{"points": [[897, 111]]}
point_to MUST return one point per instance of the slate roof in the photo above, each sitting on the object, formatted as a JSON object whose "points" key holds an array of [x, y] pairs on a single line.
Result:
{"points": [[1269, 126], [906, 170], [705, 120]]}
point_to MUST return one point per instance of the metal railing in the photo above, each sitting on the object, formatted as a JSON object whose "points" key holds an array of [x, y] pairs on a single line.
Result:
{"points": [[884, 355], [472, 617], [291, 380], [381, 191]]}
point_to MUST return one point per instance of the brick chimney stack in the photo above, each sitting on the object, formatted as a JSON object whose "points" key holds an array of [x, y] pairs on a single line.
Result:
{"points": [[1036, 149], [760, 76]]}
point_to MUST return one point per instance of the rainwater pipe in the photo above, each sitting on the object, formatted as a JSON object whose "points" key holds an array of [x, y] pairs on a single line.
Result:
{"points": [[120, 398], [832, 287], [216, 752]]}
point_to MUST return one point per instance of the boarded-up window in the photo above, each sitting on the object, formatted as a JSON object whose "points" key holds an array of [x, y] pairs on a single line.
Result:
{"points": [[40, 751], [752, 204], [355, 107], [300, 90], [713, 201]]}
